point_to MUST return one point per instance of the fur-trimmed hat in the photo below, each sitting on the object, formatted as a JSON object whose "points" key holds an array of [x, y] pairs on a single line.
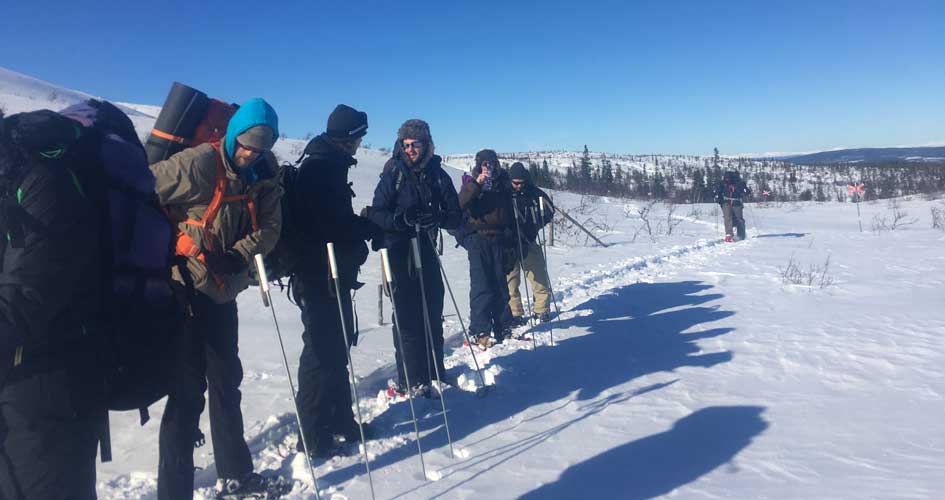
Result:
{"points": [[418, 130], [415, 129], [487, 154]]}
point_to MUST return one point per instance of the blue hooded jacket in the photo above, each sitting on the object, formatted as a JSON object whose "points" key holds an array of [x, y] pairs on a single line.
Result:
{"points": [[253, 112]]}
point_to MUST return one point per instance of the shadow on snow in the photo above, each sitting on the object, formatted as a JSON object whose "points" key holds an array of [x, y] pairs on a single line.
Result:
{"points": [[633, 331], [658, 464]]}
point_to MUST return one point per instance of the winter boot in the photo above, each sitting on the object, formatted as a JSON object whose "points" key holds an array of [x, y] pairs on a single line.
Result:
{"points": [[352, 433], [729, 238], [253, 486]]}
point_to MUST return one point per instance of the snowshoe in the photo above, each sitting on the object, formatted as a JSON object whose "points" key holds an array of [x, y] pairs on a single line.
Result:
{"points": [[518, 321], [543, 317], [254, 487], [485, 341]]}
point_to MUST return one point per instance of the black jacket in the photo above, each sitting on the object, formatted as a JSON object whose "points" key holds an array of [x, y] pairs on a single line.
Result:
{"points": [[401, 189], [731, 190], [528, 208], [322, 210]]}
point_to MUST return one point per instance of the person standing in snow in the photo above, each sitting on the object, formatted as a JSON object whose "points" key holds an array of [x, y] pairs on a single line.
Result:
{"points": [[225, 198], [52, 408], [415, 190], [320, 200], [491, 244], [730, 195], [525, 196]]}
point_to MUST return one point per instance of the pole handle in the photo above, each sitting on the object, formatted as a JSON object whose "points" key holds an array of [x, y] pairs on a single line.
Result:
{"points": [[331, 261], [261, 272], [263, 278], [416, 253], [385, 262]]}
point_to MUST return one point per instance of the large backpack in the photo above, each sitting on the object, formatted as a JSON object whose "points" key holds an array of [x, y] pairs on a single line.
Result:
{"points": [[140, 312], [143, 308]]}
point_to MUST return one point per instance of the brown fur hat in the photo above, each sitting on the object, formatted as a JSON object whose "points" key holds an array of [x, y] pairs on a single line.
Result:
{"points": [[418, 130]]}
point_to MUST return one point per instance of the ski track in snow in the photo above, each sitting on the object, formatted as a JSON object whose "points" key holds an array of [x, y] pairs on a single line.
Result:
{"points": [[273, 447]]}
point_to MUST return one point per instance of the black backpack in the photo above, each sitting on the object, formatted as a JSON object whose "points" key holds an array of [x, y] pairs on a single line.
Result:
{"points": [[142, 310], [282, 260]]}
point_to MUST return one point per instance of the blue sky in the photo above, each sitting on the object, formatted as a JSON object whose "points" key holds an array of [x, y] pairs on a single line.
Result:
{"points": [[624, 77]]}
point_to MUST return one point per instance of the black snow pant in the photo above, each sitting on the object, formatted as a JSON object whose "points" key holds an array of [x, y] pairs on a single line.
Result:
{"points": [[47, 447], [417, 352], [207, 353], [488, 287], [324, 399], [734, 215]]}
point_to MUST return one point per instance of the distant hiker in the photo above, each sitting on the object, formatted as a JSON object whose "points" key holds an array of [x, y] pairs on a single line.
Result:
{"points": [[730, 194], [52, 409], [320, 199], [414, 189], [225, 198], [525, 195], [492, 247]]}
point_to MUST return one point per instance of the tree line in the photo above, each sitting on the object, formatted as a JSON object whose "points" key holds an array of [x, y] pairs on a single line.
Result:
{"points": [[689, 179]]}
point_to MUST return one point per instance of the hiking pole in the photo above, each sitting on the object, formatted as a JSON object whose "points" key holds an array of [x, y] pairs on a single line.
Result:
{"points": [[521, 267], [429, 330], [387, 278], [544, 254], [481, 391], [267, 302], [354, 383]]}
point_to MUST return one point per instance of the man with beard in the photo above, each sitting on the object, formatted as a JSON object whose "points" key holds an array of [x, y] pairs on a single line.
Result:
{"points": [[413, 191], [321, 207]]}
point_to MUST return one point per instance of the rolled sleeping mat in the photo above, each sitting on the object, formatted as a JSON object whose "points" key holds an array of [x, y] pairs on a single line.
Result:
{"points": [[183, 110]]}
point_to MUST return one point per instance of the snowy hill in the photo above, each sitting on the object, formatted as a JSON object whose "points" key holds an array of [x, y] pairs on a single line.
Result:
{"points": [[20, 93], [807, 361], [925, 154]]}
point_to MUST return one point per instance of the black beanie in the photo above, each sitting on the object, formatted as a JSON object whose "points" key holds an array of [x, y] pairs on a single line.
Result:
{"points": [[518, 172], [347, 123]]}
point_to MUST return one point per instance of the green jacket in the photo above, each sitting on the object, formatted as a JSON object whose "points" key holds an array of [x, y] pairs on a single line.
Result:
{"points": [[185, 185]]}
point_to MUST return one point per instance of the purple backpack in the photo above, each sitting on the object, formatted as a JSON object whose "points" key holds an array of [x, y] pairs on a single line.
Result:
{"points": [[142, 310]]}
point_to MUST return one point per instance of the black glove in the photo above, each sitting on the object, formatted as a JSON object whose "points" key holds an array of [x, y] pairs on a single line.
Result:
{"points": [[412, 216], [429, 219], [221, 264]]}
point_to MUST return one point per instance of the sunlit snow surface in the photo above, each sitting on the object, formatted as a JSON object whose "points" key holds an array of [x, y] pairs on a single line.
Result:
{"points": [[682, 366]]}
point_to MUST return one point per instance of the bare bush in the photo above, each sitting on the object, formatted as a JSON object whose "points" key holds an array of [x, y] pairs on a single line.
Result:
{"points": [[671, 220], [938, 217], [587, 214], [897, 220], [815, 276]]}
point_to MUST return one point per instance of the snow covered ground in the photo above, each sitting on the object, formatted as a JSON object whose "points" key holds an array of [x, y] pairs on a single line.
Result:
{"points": [[682, 367]]}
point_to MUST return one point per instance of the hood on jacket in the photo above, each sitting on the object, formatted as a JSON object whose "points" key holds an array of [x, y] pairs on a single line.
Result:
{"points": [[253, 112]]}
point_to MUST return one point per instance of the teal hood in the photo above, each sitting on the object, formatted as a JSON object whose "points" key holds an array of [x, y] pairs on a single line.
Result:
{"points": [[253, 112]]}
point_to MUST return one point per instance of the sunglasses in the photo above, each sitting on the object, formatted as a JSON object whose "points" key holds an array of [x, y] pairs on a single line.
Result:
{"points": [[415, 145], [518, 183], [249, 148], [489, 163]]}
